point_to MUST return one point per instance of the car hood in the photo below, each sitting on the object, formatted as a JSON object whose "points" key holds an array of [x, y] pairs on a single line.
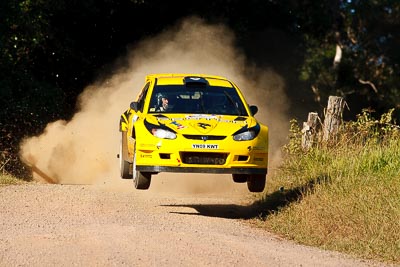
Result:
{"points": [[202, 124]]}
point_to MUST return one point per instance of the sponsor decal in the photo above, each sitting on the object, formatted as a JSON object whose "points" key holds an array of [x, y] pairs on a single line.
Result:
{"points": [[147, 145], [203, 125], [162, 118], [201, 117], [178, 125], [205, 146], [212, 117], [232, 121], [159, 144]]}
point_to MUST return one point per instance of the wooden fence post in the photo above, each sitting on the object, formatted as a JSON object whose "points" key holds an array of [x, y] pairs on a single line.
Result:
{"points": [[309, 131], [333, 117]]}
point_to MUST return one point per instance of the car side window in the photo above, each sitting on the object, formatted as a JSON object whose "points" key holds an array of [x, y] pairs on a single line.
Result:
{"points": [[142, 97]]}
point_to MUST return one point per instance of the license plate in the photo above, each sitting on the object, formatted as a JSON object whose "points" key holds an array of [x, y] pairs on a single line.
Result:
{"points": [[205, 146]]}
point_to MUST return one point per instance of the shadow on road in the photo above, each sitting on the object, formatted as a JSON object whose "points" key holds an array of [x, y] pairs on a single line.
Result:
{"points": [[269, 204], [227, 211]]}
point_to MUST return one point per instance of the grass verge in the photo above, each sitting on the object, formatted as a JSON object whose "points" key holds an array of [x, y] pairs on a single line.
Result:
{"points": [[6, 179], [343, 196]]}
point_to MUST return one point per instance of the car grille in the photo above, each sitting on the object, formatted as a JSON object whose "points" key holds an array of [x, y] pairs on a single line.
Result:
{"points": [[203, 158], [204, 137]]}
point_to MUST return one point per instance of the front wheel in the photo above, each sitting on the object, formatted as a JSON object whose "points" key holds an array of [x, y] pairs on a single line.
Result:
{"points": [[141, 180], [239, 178], [256, 182]]}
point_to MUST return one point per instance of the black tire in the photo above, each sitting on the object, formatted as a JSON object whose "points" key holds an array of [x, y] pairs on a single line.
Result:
{"points": [[256, 182], [239, 178], [124, 166], [141, 180]]}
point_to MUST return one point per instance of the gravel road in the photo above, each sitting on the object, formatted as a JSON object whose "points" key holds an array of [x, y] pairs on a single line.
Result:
{"points": [[112, 224]]}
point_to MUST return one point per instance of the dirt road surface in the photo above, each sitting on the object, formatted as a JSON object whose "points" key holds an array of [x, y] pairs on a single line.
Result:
{"points": [[116, 225]]}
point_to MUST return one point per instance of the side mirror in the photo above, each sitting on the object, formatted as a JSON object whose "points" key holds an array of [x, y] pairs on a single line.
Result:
{"points": [[134, 106], [254, 110]]}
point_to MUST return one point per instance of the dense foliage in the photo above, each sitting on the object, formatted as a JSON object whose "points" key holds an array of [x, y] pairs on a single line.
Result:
{"points": [[367, 33], [50, 50]]}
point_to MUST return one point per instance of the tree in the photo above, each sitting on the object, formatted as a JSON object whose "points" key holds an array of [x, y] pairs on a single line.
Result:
{"points": [[362, 37]]}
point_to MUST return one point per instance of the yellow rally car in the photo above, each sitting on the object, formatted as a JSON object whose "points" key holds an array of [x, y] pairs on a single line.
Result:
{"points": [[192, 123]]}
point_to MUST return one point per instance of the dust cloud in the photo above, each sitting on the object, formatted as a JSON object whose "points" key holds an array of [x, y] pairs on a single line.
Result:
{"points": [[83, 150]]}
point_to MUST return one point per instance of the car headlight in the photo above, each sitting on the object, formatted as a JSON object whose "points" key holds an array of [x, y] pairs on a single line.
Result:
{"points": [[246, 134], [160, 131]]}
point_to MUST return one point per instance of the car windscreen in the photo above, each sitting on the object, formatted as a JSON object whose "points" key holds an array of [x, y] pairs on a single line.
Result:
{"points": [[196, 100]]}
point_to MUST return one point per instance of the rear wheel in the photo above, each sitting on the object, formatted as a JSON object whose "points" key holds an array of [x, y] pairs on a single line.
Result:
{"points": [[256, 182], [239, 178], [123, 155], [141, 180]]}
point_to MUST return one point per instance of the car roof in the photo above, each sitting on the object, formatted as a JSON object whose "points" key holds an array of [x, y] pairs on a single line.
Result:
{"points": [[178, 79]]}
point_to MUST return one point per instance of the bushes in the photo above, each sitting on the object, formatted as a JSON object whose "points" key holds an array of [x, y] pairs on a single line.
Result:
{"points": [[350, 190]]}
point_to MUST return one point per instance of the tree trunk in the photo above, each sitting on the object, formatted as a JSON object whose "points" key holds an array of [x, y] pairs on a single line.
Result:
{"points": [[333, 117], [309, 131]]}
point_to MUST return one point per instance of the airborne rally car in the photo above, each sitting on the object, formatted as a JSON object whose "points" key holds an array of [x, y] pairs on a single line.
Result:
{"points": [[192, 123]]}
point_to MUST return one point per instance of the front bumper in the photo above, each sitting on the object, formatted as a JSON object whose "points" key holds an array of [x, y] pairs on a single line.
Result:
{"points": [[157, 169], [228, 157]]}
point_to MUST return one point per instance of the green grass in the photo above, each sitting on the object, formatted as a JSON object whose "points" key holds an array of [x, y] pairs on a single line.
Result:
{"points": [[343, 196]]}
